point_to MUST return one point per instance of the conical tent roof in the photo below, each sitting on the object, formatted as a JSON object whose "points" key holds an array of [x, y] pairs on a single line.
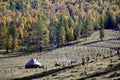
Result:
{"points": [[33, 61]]}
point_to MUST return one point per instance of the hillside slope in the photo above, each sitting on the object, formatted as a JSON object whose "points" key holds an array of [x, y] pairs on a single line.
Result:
{"points": [[99, 53]]}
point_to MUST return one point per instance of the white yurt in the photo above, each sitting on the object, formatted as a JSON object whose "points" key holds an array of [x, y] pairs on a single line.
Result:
{"points": [[33, 63]]}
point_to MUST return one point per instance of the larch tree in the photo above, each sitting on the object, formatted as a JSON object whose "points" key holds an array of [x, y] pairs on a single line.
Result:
{"points": [[13, 32], [4, 33], [60, 30], [42, 33], [88, 27], [71, 34], [101, 23], [52, 29], [70, 22], [62, 35], [102, 34], [78, 28], [110, 21], [66, 29], [71, 30]]}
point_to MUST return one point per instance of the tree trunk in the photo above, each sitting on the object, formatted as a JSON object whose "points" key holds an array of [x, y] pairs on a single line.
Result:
{"points": [[7, 48], [13, 45]]}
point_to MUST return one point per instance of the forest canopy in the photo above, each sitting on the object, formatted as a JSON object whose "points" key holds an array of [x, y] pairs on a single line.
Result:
{"points": [[42, 23]]}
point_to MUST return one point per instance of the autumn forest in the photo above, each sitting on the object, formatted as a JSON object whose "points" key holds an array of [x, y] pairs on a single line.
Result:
{"points": [[34, 25]]}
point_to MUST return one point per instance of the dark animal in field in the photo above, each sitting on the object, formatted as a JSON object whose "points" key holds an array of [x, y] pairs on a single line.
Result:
{"points": [[57, 64]]}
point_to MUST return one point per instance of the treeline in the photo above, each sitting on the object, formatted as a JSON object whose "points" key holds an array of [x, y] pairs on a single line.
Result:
{"points": [[35, 24]]}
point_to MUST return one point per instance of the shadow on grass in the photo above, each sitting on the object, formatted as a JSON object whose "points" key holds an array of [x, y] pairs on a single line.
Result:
{"points": [[69, 44], [46, 73], [25, 53], [106, 71], [12, 55], [113, 48], [90, 43], [7, 55], [99, 41]]}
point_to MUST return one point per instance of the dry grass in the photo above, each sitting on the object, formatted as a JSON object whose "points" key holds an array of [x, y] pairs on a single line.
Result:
{"points": [[93, 48]]}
